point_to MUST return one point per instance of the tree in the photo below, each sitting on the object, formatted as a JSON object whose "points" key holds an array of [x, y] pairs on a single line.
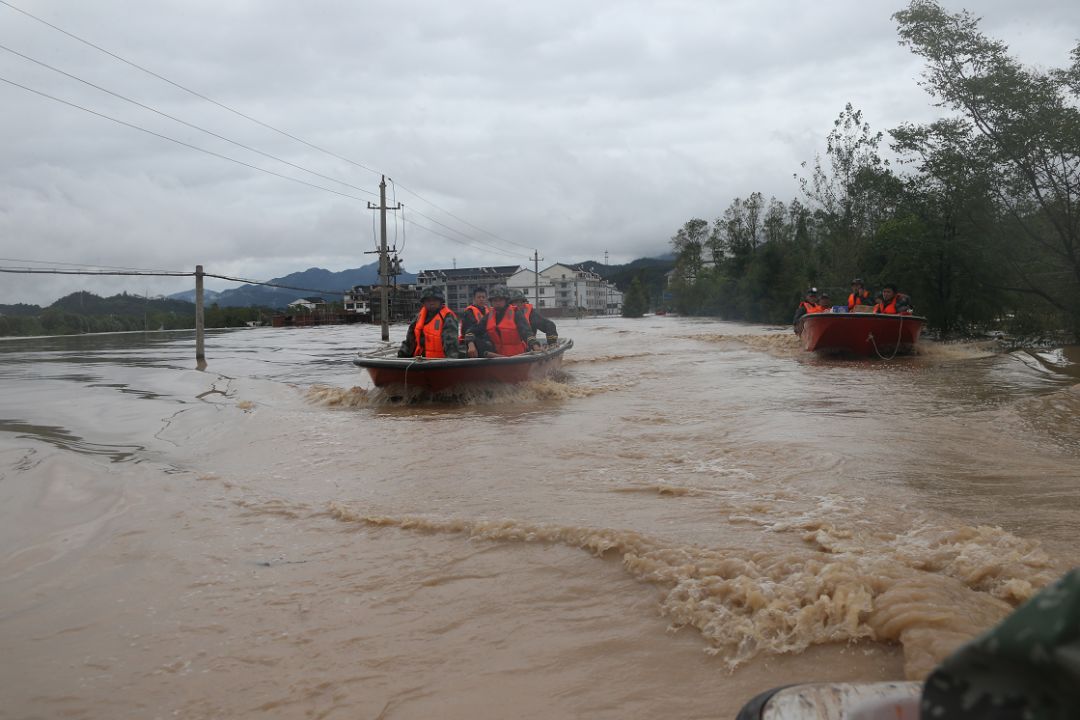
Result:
{"points": [[636, 301], [1018, 134]]}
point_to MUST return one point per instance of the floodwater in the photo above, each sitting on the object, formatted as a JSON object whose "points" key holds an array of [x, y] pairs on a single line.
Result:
{"points": [[691, 513]]}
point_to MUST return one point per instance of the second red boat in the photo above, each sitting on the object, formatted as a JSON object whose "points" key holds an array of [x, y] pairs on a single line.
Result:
{"points": [[867, 334]]}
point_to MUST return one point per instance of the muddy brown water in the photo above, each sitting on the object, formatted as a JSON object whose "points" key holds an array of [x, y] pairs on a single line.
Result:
{"points": [[690, 513]]}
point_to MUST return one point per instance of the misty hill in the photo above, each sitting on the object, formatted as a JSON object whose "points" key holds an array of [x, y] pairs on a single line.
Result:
{"points": [[653, 272], [330, 284], [20, 310], [85, 303]]}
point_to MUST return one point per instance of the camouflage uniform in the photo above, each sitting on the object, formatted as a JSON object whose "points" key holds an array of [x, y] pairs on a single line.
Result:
{"points": [[1026, 668], [537, 322], [479, 331], [449, 333]]}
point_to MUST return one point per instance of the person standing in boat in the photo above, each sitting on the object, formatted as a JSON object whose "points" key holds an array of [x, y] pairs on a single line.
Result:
{"points": [[505, 331], [434, 332], [537, 322], [859, 296], [893, 302], [473, 315]]}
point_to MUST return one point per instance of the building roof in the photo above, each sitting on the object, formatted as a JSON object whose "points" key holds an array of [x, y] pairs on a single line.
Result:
{"points": [[493, 271]]}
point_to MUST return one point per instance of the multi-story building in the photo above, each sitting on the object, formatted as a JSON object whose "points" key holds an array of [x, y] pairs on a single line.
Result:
{"points": [[357, 301], [458, 283], [576, 289]]}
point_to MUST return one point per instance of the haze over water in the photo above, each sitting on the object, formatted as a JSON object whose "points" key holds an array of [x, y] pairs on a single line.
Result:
{"points": [[691, 513]]}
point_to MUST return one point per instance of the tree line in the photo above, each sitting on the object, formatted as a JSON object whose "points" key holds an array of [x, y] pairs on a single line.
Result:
{"points": [[85, 312], [977, 215]]}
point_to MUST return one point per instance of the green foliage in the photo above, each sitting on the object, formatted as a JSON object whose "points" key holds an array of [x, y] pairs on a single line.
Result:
{"points": [[84, 312], [636, 300], [981, 226]]}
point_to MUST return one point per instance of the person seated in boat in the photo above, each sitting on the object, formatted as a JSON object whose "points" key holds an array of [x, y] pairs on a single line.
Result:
{"points": [[808, 305], [537, 322], [859, 297], [893, 302], [826, 302], [474, 314], [505, 331], [434, 332]]}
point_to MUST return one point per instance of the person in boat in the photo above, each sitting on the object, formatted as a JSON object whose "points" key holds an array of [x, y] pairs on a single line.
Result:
{"points": [[473, 315], [504, 331], [826, 302], [434, 332], [859, 295], [808, 305], [537, 322], [893, 302]]}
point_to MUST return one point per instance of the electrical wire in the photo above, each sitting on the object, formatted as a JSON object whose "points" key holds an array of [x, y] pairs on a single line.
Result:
{"points": [[185, 122], [223, 106], [79, 265], [178, 142]]}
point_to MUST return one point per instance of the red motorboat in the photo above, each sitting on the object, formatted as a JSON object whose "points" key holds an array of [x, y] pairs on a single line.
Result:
{"points": [[856, 333], [440, 374]]}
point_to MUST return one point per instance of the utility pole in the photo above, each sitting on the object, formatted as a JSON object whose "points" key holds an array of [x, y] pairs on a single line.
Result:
{"points": [[536, 274], [384, 259], [607, 289], [200, 351]]}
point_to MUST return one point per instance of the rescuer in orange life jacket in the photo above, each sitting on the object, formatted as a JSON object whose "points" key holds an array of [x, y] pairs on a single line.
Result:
{"points": [[809, 305], [504, 331], [892, 302], [859, 295], [537, 322], [434, 332], [474, 314]]}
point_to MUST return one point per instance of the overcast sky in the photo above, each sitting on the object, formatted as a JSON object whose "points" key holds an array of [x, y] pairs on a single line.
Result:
{"points": [[572, 127]]}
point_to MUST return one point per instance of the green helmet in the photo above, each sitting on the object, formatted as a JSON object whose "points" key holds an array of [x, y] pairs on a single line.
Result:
{"points": [[499, 291], [433, 292], [517, 296]]}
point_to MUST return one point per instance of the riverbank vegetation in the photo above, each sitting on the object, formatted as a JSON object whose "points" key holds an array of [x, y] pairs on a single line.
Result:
{"points": [[85, 312], [975, 215]]}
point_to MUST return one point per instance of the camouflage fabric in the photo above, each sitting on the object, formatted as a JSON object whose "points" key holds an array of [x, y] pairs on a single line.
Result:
{"points": [[449, 338], [1026, 668]]}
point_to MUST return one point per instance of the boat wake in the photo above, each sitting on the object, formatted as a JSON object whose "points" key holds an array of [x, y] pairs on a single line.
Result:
{"points": [[548, 389], [929, 590]]}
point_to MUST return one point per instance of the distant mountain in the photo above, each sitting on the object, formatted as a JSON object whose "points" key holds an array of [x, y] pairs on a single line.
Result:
{"points": [[317, 282], [20, 310], [209, 296], [651, 270], [86, 303]]}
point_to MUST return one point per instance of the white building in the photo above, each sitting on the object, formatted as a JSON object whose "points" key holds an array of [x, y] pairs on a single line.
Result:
{"points": [[574, 289], [357, 301]]}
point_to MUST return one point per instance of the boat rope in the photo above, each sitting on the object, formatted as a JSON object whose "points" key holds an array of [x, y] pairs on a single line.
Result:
{"points": [[899, 336]]}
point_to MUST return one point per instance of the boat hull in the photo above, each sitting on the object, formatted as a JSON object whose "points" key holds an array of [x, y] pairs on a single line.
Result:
{"points": [[866, 334], [441, 374]]}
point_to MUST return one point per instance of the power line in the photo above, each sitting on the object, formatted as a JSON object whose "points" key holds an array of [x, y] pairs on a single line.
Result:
{"points": [[251, 119], [466, 222], [174, 140], [79, 265], [57, 271], [183, 122]]}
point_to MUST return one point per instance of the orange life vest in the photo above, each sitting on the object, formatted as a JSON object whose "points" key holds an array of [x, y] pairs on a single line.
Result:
{"points": [[504, 333], [428, 334], [527, 307], [859, 298], [890, 308], [478, 315], [811, 307]]}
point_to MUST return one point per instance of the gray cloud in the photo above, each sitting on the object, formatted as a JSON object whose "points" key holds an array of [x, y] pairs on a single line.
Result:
{"points": [[574, 128]]}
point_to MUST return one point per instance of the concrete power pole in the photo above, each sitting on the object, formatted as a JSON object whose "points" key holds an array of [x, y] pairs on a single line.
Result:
{"points": [[384, 259], [536, 274], [607, 289]]}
